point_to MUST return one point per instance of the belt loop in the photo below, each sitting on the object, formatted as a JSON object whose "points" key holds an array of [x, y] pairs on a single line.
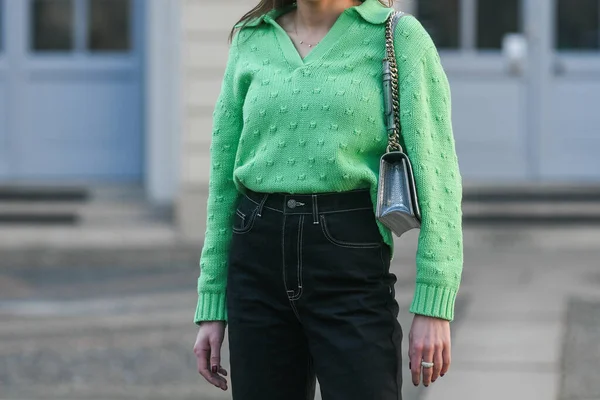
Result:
{"points": [[315, 210], [262, 203]]}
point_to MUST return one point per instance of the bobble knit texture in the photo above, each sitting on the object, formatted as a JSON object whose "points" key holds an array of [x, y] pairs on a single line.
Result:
{"points": [[283, 124]]}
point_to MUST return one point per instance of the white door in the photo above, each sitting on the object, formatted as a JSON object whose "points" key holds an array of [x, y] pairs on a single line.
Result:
{"points": [[489, 94], [525, 78], [71, 90], [570, 142]]}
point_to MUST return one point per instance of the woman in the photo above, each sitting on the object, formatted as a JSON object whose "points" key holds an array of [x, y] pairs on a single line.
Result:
{"points": [[294, 260]]}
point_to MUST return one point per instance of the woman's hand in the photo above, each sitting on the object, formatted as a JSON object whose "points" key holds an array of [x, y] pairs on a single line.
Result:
{"points": [[208, 352], [429, 341]]}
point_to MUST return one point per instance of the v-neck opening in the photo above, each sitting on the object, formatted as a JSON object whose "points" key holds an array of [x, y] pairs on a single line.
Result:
{"points": [[335, 33]]}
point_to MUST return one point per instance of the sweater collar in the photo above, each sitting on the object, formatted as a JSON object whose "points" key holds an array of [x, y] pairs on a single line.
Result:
{"points": [[371, 11]]}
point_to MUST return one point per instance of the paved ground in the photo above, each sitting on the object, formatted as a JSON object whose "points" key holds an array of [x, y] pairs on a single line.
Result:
{"points": [[104, 323]]}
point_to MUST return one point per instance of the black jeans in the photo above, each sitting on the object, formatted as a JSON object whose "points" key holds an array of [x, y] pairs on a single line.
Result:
{"points": [[310, 293]]}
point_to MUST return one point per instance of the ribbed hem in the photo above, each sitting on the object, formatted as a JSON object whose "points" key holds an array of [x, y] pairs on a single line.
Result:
{"points": [[211, 307], [434, 301]]}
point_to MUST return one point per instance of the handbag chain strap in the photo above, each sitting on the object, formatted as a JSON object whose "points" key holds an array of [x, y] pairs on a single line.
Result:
{"points": [[394, 137]]}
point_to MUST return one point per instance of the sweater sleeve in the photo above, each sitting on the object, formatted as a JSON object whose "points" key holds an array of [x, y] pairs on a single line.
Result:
{"points": [[429, 141], [222, 194]]}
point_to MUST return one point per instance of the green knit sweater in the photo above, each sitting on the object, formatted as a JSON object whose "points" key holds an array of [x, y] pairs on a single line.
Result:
{"points": [[287, 124]]}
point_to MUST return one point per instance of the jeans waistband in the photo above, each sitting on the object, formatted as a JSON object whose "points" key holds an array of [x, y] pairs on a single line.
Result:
{"points": [[317, 203]]}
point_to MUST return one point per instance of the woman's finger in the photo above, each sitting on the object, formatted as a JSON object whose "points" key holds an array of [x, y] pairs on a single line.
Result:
{"points": [[446, 356], [219, 381], [215, 355], [202, 356], [202, 361], [416, 355], [438, 362], [428, 353], [215, 364]]}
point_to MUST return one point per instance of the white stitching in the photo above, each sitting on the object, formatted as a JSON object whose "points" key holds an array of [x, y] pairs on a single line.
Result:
{"points": [[345, 244], [283, 253], [315, 210], [295, 310], [274, 209], [350, 191], [270, 208], [299, 257], [262, 204], [348, 210], [298, 212], [250, 224], [300, 231]]}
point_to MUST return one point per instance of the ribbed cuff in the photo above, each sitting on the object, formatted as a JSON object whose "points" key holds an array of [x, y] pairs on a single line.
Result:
{"points": [[434, 301], [211, 307]]}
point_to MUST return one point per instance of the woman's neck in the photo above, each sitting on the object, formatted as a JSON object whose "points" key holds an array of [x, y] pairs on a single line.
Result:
{"points": [[316, 15]]}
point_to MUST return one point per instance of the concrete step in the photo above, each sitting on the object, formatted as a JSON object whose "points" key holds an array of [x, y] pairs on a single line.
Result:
{"points": [[22, 193], [538, 204], [97, 205], [117, 236], [94, 212], [548, 211], [528, 192]]}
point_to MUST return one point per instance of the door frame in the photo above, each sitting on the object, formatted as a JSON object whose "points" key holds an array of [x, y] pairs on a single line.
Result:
{"points": [[7, 74], [163, 108], [538, 31]]}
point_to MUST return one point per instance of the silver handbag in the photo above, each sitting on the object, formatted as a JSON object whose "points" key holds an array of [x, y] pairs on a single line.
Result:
{"points": [[397, 202]]}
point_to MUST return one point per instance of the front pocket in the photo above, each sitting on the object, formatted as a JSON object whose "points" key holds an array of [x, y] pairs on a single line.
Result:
{"points": [[344, 231], [245, 215], [242, 216]]}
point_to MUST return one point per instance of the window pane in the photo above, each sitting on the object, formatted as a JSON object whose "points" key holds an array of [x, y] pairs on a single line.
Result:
{"points": [[441, 19], [578, 24], [52, 22], [494, 20], [109, 25]]}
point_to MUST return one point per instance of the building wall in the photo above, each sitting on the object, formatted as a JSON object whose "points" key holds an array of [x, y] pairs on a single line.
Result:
{"points": [[205, 28]]}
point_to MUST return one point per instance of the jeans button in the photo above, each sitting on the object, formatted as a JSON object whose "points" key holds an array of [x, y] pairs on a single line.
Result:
{"points": [[291, 203]]}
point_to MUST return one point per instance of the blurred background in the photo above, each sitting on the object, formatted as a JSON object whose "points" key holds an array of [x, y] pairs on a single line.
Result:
{"points": [[105, 121]]}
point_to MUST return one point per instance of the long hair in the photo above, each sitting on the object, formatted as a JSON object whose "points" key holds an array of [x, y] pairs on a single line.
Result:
{"points": [[267, 5]]}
